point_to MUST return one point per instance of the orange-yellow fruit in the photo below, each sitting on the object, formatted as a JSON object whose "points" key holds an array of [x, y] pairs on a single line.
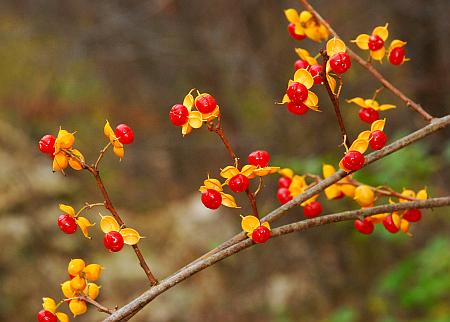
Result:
{"points": [[67, 289], [93, 272], [78, 283], [77, 307], [76, 266], [92, 290]]}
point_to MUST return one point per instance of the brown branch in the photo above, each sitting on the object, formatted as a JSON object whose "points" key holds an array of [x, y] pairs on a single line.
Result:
{"points": [[435, 125], [100, 156], [113, 211], [367, 65], [334, 98], [124, 313], [99, 307], [219, 131]]}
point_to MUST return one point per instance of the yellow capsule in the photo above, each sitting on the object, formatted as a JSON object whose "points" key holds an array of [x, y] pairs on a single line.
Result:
{"points": [[77, 307], [364, 196], [49, 304], [76, 266], [65, 139], [78, 283], [67, 289], [407, 193], [92, 272], [92, 290]]}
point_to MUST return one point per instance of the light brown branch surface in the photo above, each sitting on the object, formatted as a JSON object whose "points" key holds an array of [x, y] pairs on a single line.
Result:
{"points": [[137, 304]]}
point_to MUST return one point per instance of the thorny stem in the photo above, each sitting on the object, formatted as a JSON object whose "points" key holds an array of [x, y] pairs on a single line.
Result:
{"points": [[367, 65], [124, 313], [219, 131], [334, 98]]}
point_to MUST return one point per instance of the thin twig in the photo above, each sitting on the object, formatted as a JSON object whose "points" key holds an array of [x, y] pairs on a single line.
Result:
{"points": [[334, 98], [89, 206], [138, 303], [377, 92], [99, 307], [388, 85], [102, 153], [219, 131], [385, 191]]}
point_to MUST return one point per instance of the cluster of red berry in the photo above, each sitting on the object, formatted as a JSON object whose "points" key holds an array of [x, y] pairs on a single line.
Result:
{"points": [[393, 223]]}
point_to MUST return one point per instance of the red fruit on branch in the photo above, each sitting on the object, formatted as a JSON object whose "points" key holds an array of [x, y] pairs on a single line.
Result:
{"points": [[67, 224], [124, 133], [259, 158], [113, 241], [377, 140], [375, 42], [315, 71], [353, 160], [297, 92], [368, 115], [211, 199], [46, 316], [364, 226], [284, 182], [261, 234], [178, 114], [238, 183], [297, 109], [291, 30], [397, 56], [390, 225], [340, 63], [47, 144], [312, 209], [300, 63], [284, 195], [412, 215], [205, 103]]}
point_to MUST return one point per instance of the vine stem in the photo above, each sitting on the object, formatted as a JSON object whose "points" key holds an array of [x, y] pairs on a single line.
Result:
{"points": [[221, 134], [108, 205], [129, 310], [334, 98], [99, 306], [367, 65]]}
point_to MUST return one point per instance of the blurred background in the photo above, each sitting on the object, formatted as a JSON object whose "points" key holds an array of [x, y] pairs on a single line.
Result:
{"points": [[75, 63]]}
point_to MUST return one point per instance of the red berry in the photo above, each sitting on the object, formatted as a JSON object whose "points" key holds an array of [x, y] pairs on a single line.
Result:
{"points": [[368, 115], [205, 103], [46, 316], [312, 210], [291, 30], [47, 144], [315, 71], [397, 55], [340, 63], [124, 133], [67, 224], [297, 92], [353, 160], [377, 139], [113, 241], [388, 223], [299, 64], [364, 226], [178, 114], [261, 234], [284, 182], [297, 109], [259, 158], [375, 42], [412, 215], [284, 195], [239, 183], [211, 199]]}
